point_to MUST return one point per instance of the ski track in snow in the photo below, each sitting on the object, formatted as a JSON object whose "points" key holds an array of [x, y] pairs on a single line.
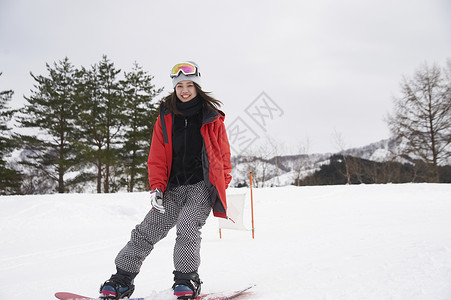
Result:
{"points": [[326, 243]]}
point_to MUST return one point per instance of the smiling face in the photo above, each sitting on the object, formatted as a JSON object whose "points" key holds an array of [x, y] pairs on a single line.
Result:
{"points": [[185, 90]]}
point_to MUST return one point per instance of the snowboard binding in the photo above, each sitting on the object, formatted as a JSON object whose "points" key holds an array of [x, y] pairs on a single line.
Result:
{"points": [[187, 285], [117, 287]]}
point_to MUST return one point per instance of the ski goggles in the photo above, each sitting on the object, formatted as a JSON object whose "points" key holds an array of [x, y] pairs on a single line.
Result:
{"points": [[186, 68]]}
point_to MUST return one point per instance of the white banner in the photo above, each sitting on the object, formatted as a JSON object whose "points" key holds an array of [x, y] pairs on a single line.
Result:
{"points": [[235, 210]]}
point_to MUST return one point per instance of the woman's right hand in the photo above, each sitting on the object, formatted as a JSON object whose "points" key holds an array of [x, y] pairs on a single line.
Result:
{"points": [[156, 199]]}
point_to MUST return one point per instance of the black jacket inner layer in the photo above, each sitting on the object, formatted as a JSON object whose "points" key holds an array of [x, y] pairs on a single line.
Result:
{"points": [[187, 144]]}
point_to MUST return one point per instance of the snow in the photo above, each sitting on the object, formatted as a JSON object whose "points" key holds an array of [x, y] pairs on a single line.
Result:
{"points": [[330, 242]]}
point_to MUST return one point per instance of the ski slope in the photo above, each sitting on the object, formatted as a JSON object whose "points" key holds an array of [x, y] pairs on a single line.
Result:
{"points": [[331, 242]]}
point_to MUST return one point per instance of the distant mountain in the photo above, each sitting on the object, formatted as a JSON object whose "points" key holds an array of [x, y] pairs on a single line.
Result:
{"points": [[381, 151], [286, 170]]}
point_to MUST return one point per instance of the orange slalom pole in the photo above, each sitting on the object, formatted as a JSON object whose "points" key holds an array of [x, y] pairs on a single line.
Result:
{"points": [[252, 206]]}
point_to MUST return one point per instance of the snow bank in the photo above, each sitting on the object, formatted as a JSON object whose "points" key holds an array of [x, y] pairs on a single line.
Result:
{"points": [[330, 242]]}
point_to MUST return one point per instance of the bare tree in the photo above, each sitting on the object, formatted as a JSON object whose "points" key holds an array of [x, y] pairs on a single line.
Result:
{"points": [[300, 163], [422, 116], [275, 152], [257, 162], [340, 143], [253, 164]]}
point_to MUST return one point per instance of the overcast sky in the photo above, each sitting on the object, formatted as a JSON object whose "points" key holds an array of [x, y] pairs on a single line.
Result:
{"points": [[290, 73]]}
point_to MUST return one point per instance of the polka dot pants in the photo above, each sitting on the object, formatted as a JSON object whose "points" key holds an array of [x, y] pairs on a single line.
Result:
{"points": [[188, 208]]}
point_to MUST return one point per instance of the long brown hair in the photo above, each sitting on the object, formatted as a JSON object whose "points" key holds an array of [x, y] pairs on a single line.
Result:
{"points": [[208, 101]]}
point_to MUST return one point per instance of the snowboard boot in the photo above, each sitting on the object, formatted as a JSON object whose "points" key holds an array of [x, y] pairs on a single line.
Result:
{"points": [[187, 285], [117, 287]]}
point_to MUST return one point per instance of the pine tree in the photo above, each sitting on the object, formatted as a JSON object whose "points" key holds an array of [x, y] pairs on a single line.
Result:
{"points": [[10, 179], [50, 112], [100, 105], [140, 115]]}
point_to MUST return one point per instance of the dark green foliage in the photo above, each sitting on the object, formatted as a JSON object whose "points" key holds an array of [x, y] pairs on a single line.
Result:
{"points": [[10, 179], [100, 105], [115, 124], [445, 174], [89, 126], [141, 115], [50, 115], [369, 172]]}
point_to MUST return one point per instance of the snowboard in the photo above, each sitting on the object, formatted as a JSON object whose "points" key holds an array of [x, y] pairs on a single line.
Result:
{"points": [[209, 296]]}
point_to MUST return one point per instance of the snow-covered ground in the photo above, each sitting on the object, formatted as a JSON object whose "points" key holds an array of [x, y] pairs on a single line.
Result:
{"points": [[331, 242]]}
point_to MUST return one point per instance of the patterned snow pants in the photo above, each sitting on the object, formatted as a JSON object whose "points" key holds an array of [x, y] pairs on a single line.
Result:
{"points": [[188, 208]]}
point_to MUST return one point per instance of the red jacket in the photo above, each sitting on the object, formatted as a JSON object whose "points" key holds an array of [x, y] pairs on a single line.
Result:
{"points": [[215, 156]]}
